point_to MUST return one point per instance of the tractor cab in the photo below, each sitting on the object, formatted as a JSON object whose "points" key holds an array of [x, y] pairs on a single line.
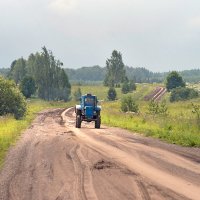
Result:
{"points": [[88, 100]]}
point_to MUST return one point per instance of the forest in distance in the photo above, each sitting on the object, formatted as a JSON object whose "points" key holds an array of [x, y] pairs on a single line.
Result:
{"points": [[138, 74]]}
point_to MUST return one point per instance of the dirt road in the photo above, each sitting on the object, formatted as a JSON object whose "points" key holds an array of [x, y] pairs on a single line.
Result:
{"points": [[55, 161]]}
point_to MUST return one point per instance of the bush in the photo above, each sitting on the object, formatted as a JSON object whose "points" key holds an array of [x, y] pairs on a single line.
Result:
{"points": [[182, 93], [128, 86], [157, 108], [196, 111], [112, 94], [125, 87], [128, 104], [132, 85], [77, 94], [11, 100]]}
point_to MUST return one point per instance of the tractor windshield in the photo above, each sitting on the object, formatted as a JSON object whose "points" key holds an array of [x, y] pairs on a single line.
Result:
{"points": [[89, 101]]}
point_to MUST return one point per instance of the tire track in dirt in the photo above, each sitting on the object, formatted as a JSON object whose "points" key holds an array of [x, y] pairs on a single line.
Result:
{"points": [[83, 186], [78, 190], [170, 158]]}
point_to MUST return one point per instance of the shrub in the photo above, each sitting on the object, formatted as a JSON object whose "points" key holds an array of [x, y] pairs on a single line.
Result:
{"points": [[196, 111], [77, 94], [11, 100], [125, 87], [128, 104], [132, 85], [128, 86], [157, 108], [182, 93], [112, 94]]}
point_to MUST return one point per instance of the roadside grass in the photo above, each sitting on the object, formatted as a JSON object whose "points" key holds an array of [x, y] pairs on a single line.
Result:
{"points": [[10, 129], [174, 128], [178, 127]]}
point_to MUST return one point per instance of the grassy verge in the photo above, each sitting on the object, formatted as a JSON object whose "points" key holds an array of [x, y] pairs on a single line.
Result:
{"points": [[10, 129], [175, 128]]}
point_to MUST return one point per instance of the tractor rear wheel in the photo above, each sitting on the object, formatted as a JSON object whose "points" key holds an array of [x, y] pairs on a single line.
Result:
{"points": [[78, 121], [98, 122]]}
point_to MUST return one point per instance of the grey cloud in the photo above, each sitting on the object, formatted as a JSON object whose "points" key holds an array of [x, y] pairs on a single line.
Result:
{"points": [[158, 34]]}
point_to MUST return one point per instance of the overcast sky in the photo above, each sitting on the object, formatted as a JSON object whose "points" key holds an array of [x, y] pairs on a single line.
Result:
{"points": [[159, 35]]}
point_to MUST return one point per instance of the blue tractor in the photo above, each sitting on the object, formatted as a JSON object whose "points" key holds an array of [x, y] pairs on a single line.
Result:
{"points": [[88, 111]]}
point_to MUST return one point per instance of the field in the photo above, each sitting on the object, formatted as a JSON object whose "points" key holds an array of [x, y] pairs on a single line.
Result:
{"points": [[195, 86], [10, 129], [179, 126]]}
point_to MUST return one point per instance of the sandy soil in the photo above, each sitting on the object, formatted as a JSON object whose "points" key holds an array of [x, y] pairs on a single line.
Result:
{"points": [[55, 161]]}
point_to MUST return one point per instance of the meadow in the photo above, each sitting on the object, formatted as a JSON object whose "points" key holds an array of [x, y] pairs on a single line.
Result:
{"points": [[179, 126]]}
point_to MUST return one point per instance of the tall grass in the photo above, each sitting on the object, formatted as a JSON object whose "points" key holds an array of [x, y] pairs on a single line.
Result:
{"points": [[10, 129], [175, 128]]}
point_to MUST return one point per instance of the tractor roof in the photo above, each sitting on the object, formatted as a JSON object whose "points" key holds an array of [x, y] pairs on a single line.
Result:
{"points": [[89, 95]]}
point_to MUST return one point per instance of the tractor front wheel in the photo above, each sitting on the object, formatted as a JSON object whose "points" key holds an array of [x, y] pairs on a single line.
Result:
{"points": [[98, 122], [78, 121]]}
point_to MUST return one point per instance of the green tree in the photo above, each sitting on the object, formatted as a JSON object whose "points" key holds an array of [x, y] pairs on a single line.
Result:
{"points": [[77, 94], [174, 80], [51, 80], [128, 104], [11, 69], [115, 70], [112, 94], [28, 86], [11, 100], [18, 70]]}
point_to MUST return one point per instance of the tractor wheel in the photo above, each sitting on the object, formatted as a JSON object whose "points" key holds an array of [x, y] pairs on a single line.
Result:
{"points": [[78, 121], [98, 122]]}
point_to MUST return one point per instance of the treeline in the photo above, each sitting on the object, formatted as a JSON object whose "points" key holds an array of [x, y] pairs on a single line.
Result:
{"points": [[43, 70], [138, 74], [4, 71], [95, 73]]}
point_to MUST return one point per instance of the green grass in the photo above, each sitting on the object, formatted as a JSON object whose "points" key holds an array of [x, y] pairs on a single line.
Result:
{"points": [[10, 129], [177, 128]]}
